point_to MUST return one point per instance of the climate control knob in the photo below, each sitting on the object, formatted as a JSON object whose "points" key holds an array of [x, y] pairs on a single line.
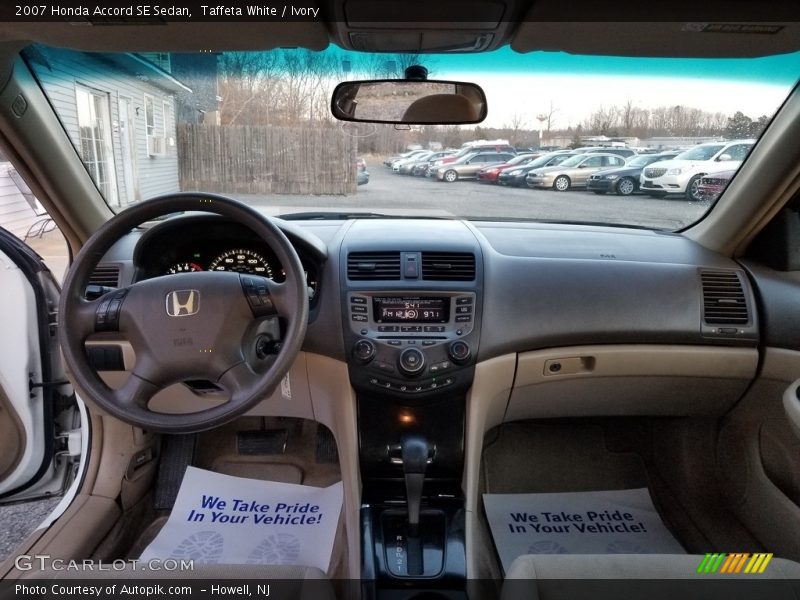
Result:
{"points": [[411, 361], [363, 351], [459, 352]]}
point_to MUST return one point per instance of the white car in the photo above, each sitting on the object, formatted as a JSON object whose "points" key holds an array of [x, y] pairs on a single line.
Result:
{"points": [[682, 174]]}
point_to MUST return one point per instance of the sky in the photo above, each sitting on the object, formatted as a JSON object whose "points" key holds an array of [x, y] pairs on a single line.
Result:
{"points": [[526, 84]]}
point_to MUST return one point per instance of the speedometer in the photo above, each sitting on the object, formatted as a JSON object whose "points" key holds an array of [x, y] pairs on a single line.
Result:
{"points": [[241, 261]]}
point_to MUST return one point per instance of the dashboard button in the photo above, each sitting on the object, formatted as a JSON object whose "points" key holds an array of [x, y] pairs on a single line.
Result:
{"points": [[428, 343], [359, 317], [388, 328], [464, 310], [395, 342], [459, 352], [358, 300], [460, 301], [363, 351], [412, 361], [358, 309], [463, 318]]}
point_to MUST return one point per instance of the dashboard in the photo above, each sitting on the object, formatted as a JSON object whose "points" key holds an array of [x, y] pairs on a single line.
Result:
{"points": [[212, 244]]}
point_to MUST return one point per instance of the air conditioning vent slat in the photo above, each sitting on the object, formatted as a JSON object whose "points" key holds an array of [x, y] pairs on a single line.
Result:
{"points": [[373, 266], [105, 275], [448, 266], [724, 300]]}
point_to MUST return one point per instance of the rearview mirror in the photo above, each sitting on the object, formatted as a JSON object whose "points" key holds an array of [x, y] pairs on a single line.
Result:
{"points": [[410, 102]]}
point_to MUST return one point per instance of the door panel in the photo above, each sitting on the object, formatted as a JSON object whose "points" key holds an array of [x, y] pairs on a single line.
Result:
{"points": [[37, 407]]}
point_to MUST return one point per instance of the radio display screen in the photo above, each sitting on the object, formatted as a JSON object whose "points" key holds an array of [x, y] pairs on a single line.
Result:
{"points": [[410, 309]]}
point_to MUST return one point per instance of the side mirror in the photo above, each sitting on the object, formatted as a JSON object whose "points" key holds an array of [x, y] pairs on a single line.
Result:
{"points": [[724, 157], [412, 102]]}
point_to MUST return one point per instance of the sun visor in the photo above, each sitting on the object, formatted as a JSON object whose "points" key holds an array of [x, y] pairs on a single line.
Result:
{"points": [[451, 14], [174, 36], [709, 39]]}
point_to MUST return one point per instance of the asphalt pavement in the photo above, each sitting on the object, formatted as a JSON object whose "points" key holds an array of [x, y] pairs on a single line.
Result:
{"points": [[391, 193]]}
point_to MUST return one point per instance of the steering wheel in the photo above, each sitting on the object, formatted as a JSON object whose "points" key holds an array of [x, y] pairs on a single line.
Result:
{"points": [[188, 326]]}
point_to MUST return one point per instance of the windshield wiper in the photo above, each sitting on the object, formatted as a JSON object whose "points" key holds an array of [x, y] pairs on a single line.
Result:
{"points": [[330, 216], [343, 216]]}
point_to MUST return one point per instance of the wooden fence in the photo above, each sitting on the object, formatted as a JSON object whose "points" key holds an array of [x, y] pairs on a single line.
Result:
{"points": [[266, 160]]}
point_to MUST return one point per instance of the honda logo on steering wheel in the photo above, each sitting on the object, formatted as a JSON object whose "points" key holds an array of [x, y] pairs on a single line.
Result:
{"points": [[182, 303]]}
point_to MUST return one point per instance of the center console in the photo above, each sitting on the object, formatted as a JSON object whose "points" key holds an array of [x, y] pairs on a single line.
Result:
{"points": [[413, 339]]}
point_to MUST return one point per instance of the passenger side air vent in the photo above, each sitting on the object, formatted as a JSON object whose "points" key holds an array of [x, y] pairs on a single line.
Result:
{"points": [[105, 275], [724, 301], [373, 266], [448, 266]]}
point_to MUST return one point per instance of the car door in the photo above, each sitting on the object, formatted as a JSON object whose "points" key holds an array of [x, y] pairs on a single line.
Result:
{"points": [[40, 429], [586, 168]]}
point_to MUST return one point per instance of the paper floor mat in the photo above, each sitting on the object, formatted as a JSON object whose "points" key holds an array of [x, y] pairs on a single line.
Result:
{"points": [[599, 522], [220, 519]]}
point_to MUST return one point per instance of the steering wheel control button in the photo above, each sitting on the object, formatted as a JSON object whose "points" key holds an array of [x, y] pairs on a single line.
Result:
{"points": [[106, 317], [257, 293], [363, 351], [412, 361], [459, 352]]}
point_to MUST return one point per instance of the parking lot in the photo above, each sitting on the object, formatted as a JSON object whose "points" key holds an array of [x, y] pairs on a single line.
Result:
{"points": [[389, 192]]}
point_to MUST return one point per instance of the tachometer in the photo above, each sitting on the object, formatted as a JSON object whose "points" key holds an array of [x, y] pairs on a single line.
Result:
{"points": [[183, 267], [241, 261]]}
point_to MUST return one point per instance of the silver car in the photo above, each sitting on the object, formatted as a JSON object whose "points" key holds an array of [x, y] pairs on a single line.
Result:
{"points": [[573, 172]]}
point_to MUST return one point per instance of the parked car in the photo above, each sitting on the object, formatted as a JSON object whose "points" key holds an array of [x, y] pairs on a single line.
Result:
{"points": [[399, 164], [497, 146], [711, 186], [623, 152], [362, 177], [390, 161], [516, 176], [573, 172], [624, 180], [419, 166], [468, 166], [682, 174], [491, 173]]}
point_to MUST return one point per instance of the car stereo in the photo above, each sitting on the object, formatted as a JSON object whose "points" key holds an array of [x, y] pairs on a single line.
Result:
{"points": [[410, 309], [403, 315]]}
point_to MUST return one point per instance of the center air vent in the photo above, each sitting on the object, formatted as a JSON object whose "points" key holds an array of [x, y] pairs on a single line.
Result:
{"points": [[373, 266], [724, 301], [105, 275], [448, 266]]}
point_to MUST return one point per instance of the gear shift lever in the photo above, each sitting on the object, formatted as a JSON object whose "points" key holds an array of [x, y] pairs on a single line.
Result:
{"points": [[414, 452]]}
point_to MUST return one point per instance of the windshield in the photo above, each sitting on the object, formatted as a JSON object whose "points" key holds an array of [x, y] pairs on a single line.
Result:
{"points": [[701, 153], [573, 161], [641, 161], [256, 126]]}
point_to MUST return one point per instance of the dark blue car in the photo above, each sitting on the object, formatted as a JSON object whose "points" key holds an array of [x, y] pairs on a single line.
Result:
{"points": [[624, 180]]}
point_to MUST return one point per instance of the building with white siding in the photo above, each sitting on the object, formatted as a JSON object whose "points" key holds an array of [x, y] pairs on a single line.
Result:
{"points": [[119, 111]]}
